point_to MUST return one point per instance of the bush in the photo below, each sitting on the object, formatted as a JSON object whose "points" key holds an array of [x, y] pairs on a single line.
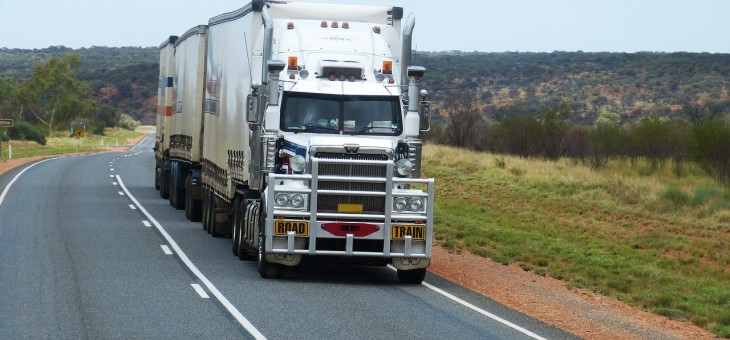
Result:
{"points": [[126, 122], [710, 149], [27, 131], [675, 195]]}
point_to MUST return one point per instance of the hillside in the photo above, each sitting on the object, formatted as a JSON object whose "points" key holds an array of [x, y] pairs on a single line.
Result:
{"points": [[630, 84], [124, 77], [504, 84]]}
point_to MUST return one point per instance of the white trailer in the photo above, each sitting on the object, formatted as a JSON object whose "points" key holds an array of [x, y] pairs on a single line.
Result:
{"points": [[186, 126], [312, 137], [164, 111]]}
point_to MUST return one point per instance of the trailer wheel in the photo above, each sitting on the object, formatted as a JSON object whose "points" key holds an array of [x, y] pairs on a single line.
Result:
{"points": [[164, 183], [188, 197], [413, 276], [178, 202], [196, 211], [172, 197], [157, 178], [205, 209], [215, 225]]}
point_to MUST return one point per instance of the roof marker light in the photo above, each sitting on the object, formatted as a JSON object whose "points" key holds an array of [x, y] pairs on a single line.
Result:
{"points": [[290, 25], [346, 25], [323, 24], [376, 29], [387, 67], [335, 24], [292, 63]]}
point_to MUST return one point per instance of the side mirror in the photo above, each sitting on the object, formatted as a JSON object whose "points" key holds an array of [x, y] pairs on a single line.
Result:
{"points": [[424, 111]]}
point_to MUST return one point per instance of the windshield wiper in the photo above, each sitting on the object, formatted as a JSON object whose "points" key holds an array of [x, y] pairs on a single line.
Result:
{"points": [[310, 126]]}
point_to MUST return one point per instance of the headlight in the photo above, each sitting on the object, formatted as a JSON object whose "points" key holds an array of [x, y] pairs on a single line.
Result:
{"points": [[296, 201], [400, 204], [416, 204], [404, 167], [297, 163], [282, 200]]}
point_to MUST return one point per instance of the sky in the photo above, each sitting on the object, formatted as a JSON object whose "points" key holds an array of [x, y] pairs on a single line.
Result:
{"points": [[466, 25]]}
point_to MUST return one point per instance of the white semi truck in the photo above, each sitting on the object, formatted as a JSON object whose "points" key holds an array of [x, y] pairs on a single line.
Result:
{"points": [[307, 142]]}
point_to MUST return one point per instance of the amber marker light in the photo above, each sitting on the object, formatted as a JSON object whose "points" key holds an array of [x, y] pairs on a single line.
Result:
{"points": [[387, 67], [292, 63]]}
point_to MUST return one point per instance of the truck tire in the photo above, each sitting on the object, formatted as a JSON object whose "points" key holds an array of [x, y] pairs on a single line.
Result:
{"points": [[413, 276], [267, 270], [178, 202], [164, 183], [215, 226], [235, 237], [196, 211], [205, 209], [188, 197], [245, 252], [171, 187], [157, 178]]}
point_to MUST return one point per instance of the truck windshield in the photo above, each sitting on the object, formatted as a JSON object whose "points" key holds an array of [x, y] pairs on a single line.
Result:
{"points": [[357, 115]]}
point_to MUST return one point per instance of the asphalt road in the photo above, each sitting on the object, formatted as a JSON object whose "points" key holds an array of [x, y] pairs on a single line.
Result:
{"points": [[88, 249]]}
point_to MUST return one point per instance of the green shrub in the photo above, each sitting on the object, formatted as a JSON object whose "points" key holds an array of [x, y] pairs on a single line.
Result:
{"points": [[27, 131], [675, 195], [126, 122]]}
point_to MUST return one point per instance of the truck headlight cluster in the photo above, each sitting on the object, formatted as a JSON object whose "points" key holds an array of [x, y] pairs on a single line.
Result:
{"points": [[403, 204], [289, 200]]}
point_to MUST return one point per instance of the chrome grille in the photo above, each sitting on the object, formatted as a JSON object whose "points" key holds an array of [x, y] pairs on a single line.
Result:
{"points": [[328, 203]]}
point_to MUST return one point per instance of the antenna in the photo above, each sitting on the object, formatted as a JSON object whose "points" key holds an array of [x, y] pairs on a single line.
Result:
{"points": [[245, 42]]}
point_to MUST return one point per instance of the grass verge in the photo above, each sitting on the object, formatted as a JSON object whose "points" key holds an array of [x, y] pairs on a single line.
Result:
{"points": [[650, 239], [63, 145]]}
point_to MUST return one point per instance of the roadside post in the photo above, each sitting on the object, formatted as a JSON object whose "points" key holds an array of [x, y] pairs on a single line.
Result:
{"points": [[6, 123]]}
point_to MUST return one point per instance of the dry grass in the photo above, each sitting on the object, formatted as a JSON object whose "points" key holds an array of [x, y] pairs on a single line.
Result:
{"points": [[646, 237]]}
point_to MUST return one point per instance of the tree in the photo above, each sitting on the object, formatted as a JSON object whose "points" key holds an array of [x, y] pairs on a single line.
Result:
{"points": [[54, 96], [555, 127], [7, 91], [465, 122]]}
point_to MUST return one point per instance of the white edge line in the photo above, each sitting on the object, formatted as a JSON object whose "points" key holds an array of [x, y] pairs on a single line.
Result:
{"points": [[479, 310], [166, 249], [184, 258], [7, 187], [200, 291]]}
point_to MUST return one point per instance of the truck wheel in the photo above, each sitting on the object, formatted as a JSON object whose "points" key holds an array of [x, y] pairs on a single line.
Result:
{"points": [[172, 188], [179, 201], [196, 211], [236, 225], [165, 184], [157, 178], [413, 276], [205, 209], [267, 270], [187, 197], [245, 253], [215, 225]]}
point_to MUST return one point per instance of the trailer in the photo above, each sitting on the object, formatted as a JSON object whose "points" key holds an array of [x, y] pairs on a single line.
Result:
{"points": [[164, 112], [311, 134]]}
